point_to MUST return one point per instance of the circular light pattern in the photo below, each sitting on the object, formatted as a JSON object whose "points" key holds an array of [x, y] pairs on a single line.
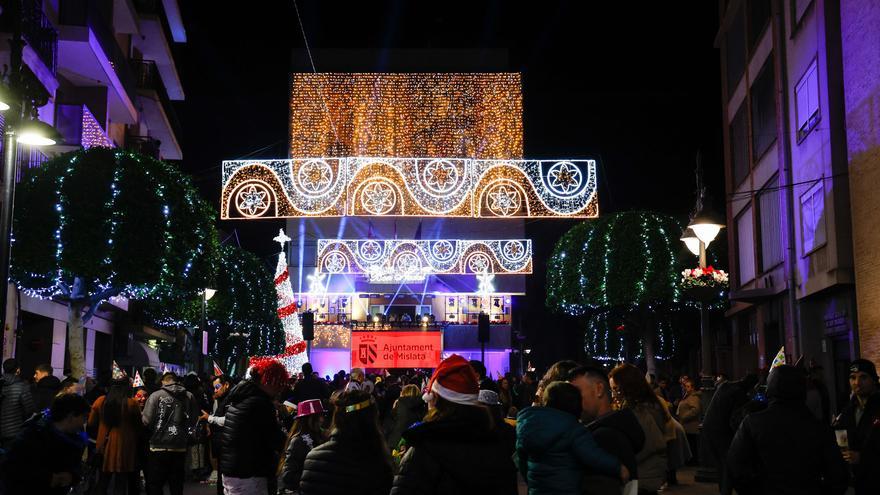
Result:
{"points": [[504, 200], [564, 178], [442, 250], [513, 250], [440, 176], [315, 176], [479, 263], [378, 198], [408, 263], [252, 200], [370, 250], [335, 262]]}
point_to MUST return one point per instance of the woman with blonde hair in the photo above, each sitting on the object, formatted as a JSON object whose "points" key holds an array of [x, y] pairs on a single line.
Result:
{"points": [[631, 390]]}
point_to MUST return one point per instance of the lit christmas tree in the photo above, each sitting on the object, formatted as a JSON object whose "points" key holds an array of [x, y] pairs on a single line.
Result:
{"points": [[294, 355]]}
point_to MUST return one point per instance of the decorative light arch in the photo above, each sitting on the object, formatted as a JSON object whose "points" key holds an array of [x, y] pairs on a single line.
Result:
{"points": [[439, 187]]}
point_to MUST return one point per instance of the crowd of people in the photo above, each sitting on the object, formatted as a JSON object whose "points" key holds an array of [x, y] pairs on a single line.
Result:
{"points": [[580, 429]]}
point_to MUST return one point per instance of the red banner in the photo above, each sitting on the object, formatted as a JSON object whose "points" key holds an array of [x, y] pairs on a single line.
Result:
{"points": [[396, 349]]}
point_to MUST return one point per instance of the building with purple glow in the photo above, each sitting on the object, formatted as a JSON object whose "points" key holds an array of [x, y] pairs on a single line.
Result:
{"points": [[109, 77], [796, 76]]}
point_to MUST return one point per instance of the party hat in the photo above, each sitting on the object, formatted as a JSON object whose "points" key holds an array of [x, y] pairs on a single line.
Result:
{"points": [[217, 370], [138, 381], [118, 374], [779, 360]]}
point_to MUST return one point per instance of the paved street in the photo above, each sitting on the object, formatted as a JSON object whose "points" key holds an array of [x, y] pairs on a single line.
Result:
{"points": [[686, 486]]}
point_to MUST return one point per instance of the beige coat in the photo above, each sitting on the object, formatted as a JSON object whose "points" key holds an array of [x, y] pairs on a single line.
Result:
{"points": [[689, 411]]}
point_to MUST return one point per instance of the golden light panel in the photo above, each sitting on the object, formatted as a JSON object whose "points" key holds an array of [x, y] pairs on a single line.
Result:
{"points": [[388, 186], [476, 115], [414, 259]]}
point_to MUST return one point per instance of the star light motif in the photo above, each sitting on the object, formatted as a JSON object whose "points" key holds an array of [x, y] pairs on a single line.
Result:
{"points": [[315, 176], [252, 200], [378, 198], [504, 200], [408, 263], [440, 176], [485, 285], [479, 263], [335, 262], [281, 238], [513, 250], [370, 250], [316, 283], [442, 250], [564, 178]]}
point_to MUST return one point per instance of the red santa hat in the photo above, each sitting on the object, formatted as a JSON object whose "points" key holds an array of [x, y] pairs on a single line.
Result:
{"points": [[455, 381]]}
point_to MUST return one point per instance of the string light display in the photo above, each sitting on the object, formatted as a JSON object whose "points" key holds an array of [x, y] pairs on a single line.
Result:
{"points": [[118, 221], [380, 186], [92, 132], [476, 115], [399, 259]]}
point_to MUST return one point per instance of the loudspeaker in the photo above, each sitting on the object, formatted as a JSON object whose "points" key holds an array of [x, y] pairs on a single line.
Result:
{"points": [[483, 329], [308, 325]]}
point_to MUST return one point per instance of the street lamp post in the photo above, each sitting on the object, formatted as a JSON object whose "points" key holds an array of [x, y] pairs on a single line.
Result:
{"points": [[207, 294], [19, 126]]}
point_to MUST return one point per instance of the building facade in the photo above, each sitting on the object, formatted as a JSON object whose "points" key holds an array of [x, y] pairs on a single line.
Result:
{"points": [[791, 198], [109, 76]]}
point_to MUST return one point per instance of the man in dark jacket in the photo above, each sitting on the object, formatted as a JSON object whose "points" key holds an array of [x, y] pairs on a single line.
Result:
{"points": [[46, 386], [861, 420], [170, 414], [616, 432], [217, 418], [784, 449], [16, 405], [46, 457], [717, 431], [251, 438], [486, 383], [310, 387]]}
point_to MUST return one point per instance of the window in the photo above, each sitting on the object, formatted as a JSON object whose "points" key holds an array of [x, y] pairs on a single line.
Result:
{"points": [[745, 241], [759, 18], [813, 218], [769, 213], [739, 146], [735, 48], [807, 101], [763, 111]]}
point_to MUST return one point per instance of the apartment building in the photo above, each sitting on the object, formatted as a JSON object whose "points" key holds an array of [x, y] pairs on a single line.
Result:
{"points": [[108, 76]]}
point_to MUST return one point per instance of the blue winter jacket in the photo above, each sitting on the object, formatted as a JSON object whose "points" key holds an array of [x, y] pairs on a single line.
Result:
{"points": [[553, 449]]}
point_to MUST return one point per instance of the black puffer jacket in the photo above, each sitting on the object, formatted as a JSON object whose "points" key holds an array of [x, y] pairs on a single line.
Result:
{"points": [[16, 405], [294, 460], [455, 456], [45, 390], [406, 412], [251, 437], [345, 465]]}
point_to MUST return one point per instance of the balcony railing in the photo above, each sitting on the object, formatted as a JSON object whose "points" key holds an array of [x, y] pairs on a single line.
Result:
{"points": [[147, 77], [95, 15], [36, 30], [155, 8], [145, 145]]}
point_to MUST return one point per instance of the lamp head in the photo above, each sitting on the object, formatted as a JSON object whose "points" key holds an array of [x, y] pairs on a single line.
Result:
{"points": [[691, 240], [706, 224], [209, 293], [37, 133]]}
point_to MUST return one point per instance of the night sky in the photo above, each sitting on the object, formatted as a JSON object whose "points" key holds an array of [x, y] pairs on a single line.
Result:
{"points": [[633, 85]]}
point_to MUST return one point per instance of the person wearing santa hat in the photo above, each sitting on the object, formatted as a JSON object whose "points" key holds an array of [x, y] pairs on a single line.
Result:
{"points": [[305, 434], [456, 449]]}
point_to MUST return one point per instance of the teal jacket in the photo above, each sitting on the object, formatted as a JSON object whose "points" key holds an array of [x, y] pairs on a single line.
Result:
{"points": [[554, 449]]}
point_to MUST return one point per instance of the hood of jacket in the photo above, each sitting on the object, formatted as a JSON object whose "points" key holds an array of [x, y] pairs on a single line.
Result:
{"points": [[540, 429], [9, 379], [471, 425], [245, 390], [624, 421], [175, 389], [50, 382]]}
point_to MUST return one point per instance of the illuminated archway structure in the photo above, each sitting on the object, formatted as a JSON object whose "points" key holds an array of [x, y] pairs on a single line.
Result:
{"points": [[408, 260], [413, 187]]}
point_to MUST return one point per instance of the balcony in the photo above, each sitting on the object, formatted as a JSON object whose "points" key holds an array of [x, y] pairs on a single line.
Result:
{"points": [[158, 111], [89, 56], [79, 127], [154, 43], [145, 145], [39, 33]]}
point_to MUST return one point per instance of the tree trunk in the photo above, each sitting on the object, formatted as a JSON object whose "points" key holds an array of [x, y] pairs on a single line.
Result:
{"points": [[650, 360], [75, 342]]}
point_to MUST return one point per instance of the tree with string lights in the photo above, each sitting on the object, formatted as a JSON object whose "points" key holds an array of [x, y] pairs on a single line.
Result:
{"points": [[621, 274], [98, 223]]}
